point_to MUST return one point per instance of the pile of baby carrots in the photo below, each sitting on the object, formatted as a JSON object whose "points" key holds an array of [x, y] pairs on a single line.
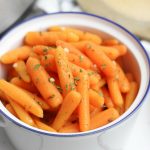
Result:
{"points": [[67, 80]]}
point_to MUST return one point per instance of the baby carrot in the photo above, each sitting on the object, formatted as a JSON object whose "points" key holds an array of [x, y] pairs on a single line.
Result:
{"points": [[11, 110], [71, 128], [44, 38], [101, 60], [41, 80], [115, 92], [110, 42], [92, 37], [78, 32], [111, 52], [20, 53], [96, 99], [75, 69], [43, 126], [80, 45], [21, 97], [131, 94], [71, 49], [48, 62], [20, 83], [103, 118], [20, 68], [78, 60], [43, 50], [64, 71], [123, 82], [122, 49], [84, 113], [21, 113], [107, 98], [70, 103], [39, 100]]}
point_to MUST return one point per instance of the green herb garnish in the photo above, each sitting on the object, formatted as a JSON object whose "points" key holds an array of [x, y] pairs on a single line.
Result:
{"points": [[37, 66], [103, 66], [76, 79], [52, 96], [81, 70], [59, 88], [90, 73], [81, 58]]}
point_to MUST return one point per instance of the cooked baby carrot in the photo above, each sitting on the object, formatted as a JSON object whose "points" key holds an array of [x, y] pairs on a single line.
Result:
{"points": [[110, 42], [21, 97], [48, 62], [43, 50], [115, 92], [123, 82], [94, 77], [64, 71], [107, 98], [41, 80], [11, 110], [131, 94], [20, 83], [75, 69], [43, 126], [20, 67], [78, 60], [78, 32], [96, 99], [49, 38], [101, 60], [44, 38], [39, 100], [80, 45], [70, 103], [34, 55], [92, 37], [84, 113], [21, 113], [111, 52], [103, 118], [84, 60], [71, 128], [20, 53], [121, 48]]}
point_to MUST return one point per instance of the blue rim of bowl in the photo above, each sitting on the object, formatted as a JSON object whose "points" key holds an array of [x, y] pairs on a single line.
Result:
{"points": [[98, 130]]}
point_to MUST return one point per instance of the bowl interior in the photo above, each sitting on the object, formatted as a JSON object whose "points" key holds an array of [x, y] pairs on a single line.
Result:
{"points": [[135, 61]]}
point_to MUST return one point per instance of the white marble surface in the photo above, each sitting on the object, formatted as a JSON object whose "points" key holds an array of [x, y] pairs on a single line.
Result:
{"points": [[140, 136]]}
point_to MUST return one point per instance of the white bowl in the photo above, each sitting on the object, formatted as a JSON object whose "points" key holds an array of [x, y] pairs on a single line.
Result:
{"points": [[136, 60]]}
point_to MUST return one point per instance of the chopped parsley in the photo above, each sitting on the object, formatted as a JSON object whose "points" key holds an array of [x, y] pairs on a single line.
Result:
{"points": [[37, 66], [90, 73], [81, 58], [101, 94], [52, 96], [76, 79], [39, 103], [81, 70], [103, 66], [66, 87], [59, 88], [45, 57], [89, 46]]}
